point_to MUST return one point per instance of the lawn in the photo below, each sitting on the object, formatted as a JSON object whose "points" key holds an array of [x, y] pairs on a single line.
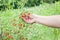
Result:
{"points": [[12, 27]]}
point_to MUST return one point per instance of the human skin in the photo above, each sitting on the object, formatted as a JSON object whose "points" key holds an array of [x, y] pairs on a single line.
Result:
{"points": [[52, 21]]}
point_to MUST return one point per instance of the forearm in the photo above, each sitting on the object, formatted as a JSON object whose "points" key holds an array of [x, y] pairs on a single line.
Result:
{"points": [[53, 21]]}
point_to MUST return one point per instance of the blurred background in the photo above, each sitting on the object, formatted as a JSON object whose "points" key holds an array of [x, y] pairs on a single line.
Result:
{"points": [[15, 4]]}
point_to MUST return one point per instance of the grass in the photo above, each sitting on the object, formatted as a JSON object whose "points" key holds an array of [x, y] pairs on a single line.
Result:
{"points": [[13, 30]]}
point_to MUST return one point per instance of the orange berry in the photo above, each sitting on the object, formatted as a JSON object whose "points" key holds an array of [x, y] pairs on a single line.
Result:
{"points": [[10, 37], [28, 14], [23, 15], [20, 25], [14, 24]]}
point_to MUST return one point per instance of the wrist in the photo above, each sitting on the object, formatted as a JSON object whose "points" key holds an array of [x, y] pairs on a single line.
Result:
{"points": [[37, 19], [40, 19]]}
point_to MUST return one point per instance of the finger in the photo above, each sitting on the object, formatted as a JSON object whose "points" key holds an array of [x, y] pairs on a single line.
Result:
{"points": [[24, 19], [24, 15]]}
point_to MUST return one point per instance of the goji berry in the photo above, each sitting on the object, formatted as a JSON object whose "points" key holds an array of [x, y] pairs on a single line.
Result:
{"points": [[14, 24], [10, 37], [23, 15], [28, 14], [28, 17], [20, 25]]}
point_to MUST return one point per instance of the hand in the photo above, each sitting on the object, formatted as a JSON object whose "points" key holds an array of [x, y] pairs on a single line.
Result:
{"points": [[29, 18]]}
